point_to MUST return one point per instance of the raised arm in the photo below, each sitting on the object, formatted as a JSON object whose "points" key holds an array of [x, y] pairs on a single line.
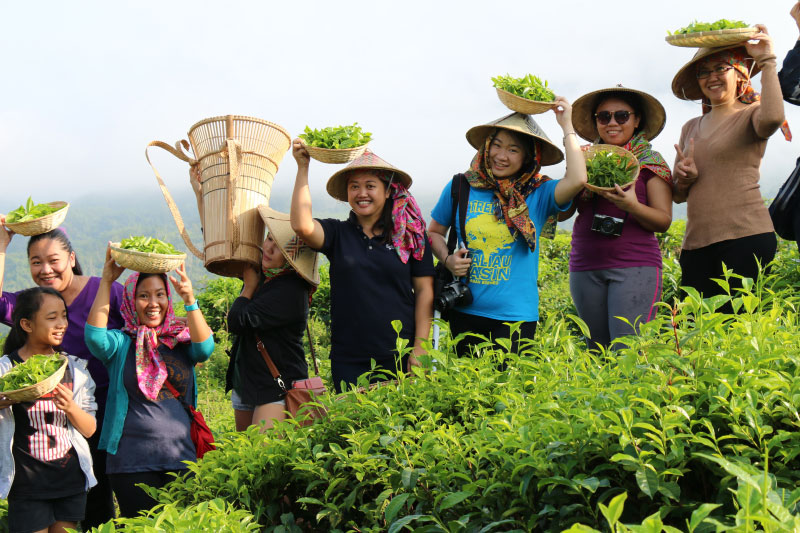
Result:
{"points": [[303, 222], [198, 328], [5, 240], [575, 177], [771, 114], [98, 314]]}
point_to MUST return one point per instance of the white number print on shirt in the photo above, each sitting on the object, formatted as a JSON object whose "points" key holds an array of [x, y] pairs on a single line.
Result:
{"points": [[51, 438]]}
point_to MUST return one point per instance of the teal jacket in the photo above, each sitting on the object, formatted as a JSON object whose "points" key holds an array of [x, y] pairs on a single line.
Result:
{"points": [[111, 347]]}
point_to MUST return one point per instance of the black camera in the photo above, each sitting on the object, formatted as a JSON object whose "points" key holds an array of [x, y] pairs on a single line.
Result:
{"points": [[607, 225], [454, 293]]}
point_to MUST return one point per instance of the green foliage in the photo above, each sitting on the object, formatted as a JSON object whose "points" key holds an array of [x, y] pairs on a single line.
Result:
{"points": [[148, 245], [606, 169], [722, 24], [215, 301], [529, 86], [338, 137], [212, 515], [33, 370], [29, 211]]}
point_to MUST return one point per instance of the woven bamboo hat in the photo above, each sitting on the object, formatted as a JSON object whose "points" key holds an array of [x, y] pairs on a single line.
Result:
{"points": [[684, 84], [302, 258], [337, 184], [519, 123], [583, 112]]}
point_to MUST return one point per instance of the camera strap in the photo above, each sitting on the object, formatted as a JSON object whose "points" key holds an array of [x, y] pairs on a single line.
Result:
{"points": [[594, 208], [459, 195]]}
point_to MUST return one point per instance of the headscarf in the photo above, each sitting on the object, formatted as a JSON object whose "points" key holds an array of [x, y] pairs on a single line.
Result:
{"points": [[738, 59], [408, 225], [510, 194], [151, 371]]}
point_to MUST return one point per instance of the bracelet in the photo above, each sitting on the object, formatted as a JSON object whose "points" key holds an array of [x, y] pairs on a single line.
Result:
{"points": [[575, 133], [446, 258], [193, 307]]}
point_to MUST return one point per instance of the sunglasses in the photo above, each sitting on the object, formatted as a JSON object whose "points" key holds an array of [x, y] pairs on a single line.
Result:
{"points": [[604, 117]]}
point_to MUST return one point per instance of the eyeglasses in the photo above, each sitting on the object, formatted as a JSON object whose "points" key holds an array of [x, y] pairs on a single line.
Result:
{"points": [[720, 71], [604, 117]]}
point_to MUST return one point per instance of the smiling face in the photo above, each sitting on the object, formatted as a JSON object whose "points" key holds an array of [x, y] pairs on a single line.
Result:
{"points": [[50, 264], [271, 255], [506, 155], [49, 323], [366, 194], [613, 132], [718, 87], [152, 301]]}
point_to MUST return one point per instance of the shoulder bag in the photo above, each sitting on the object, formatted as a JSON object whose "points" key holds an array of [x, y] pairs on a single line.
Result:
{"points": [[201, 434]]}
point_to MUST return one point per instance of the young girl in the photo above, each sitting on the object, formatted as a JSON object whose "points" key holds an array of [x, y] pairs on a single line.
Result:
{"points": [[48, 471]]}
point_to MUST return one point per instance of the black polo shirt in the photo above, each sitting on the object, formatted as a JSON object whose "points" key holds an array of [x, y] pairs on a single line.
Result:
{"points": [[370, 287]]}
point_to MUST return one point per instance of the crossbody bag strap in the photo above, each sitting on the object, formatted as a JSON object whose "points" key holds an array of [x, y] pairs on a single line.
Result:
{"points": [[176, 394], [311, 347], [463, 200], [267, 359]]}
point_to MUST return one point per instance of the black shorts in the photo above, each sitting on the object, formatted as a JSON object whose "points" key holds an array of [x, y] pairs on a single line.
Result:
{"points": [[26, 515]]}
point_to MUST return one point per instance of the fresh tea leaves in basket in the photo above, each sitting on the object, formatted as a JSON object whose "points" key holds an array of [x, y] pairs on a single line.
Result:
{"points": [[336, 137], [606, 169], [29, 211], [722, 24], [530, 87], [148, 245], [34, 370]]}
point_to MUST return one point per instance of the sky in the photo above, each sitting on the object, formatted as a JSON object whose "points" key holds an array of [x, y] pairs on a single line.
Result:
{"points": [[88, 84]]}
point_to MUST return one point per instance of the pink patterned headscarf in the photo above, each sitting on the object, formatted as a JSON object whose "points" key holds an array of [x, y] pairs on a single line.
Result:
{"points": [[408, 231], [740, 60], [151, 371]]}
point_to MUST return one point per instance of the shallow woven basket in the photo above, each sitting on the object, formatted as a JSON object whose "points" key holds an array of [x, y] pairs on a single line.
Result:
{"points": [[37, 226], [36, 391], [710, 39], [523, 105], [145, 262], [589, 152], [328, 155]]}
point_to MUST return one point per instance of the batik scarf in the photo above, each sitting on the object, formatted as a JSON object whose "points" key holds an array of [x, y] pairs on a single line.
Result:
{"points": [[649, 158], [408, 225], [738, 59], [151, 371], [510, 194]]}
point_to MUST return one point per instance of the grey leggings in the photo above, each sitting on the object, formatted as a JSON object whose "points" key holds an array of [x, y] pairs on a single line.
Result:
{"points": [[602, 295]]}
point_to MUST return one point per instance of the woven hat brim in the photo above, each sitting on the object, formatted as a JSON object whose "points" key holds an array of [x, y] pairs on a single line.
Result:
{"points": [[302, 258], [551, 154], [685, 85], [337, 184], [583, 113]]}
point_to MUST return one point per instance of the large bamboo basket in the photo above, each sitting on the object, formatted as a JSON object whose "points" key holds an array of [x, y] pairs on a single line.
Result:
{"points": [[146, 262], [37, 226], [634, 167], [37, 390], [237, 158], [711, 39], [523, 105]]}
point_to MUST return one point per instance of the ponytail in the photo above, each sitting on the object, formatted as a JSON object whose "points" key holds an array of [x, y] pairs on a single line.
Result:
{"points": [[28, 304], [58, 235]]}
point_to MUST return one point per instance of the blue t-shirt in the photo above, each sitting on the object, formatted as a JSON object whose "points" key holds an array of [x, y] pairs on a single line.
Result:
{"points": [[504, 272]]}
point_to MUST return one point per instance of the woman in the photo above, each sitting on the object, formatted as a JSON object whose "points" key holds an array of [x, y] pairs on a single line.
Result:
{"points": [[381, 268], [53, 263], [272, 307], [615, 277], [509, 202], [719, 155], [146, 429]]}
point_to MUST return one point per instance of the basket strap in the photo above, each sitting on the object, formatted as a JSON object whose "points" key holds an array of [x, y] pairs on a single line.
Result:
{"points": [[234, 156], [173, 208]]}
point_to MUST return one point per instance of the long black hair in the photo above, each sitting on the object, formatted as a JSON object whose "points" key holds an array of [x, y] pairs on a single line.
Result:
{"points": [[57, 235], [28, 304], [385, 222]]}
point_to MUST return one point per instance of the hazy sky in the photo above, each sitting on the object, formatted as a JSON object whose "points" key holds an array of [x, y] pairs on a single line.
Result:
{"points": [[87, 84]]}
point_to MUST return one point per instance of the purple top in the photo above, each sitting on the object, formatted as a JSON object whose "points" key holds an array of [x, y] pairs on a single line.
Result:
{"points": [[78, 312], [594, 251]]}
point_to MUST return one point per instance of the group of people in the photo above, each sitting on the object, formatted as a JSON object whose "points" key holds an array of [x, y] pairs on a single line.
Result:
{"points": [[118, 417]]}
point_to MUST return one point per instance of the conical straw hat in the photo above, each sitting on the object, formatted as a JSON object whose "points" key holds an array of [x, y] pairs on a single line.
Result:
{"points": [[302, 258], [684, 84], [337, 184], [524, 124], [583, 112]]}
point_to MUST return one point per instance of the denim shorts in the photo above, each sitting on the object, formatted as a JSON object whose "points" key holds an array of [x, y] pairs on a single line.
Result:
{"points": [[237, 403]]}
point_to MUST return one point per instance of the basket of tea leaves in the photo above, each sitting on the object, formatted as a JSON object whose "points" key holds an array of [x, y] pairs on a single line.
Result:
{"points": [[36, 376], [34, 219], [147, 255], [608, 165], [723, 32], [336, 144], [529, 94]]}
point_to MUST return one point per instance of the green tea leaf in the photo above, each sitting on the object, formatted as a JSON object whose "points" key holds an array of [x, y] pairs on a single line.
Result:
{"points": [[529, 86]]}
